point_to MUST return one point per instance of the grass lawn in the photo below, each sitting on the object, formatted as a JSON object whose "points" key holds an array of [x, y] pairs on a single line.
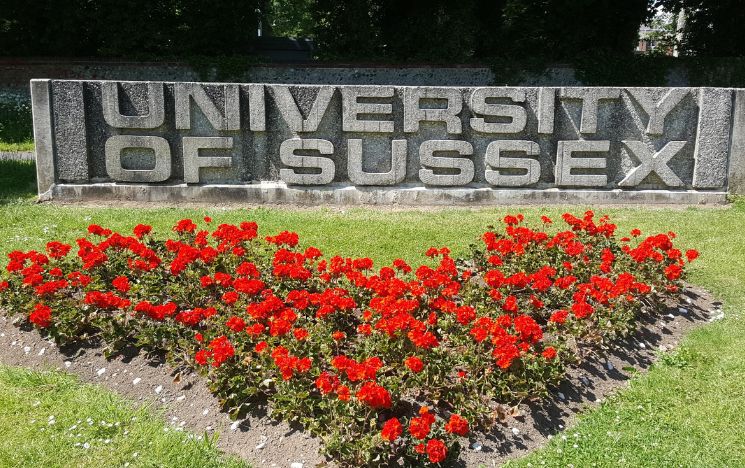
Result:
{"points": [[686, 411], [16, 131], [50, 419]]}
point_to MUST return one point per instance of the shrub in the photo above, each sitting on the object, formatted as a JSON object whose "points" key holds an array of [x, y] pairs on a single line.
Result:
{"points": [[383, 365]]}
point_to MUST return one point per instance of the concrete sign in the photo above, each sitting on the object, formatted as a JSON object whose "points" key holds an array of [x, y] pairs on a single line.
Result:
{"points": [[271, 143]]}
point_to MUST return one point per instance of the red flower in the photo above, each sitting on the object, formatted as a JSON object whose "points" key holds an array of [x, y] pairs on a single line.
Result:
{"points": [[327, 382], [391, 430], [41, 316], [121, 283], [414, 363], [419, 427], [549, 353], [202, 356], [582, 309], [673, 272], [374, 395], [457, 425], [343, 392], [222, 350], [97, 230], [236, 324], [559, 317], [510, 304], [691, 255], [57, 249], [261, 346], [338, 335], [185, 225], [401, 265], [284, 238], [230, 297], [141, 230], [436, 450], [300, 333]]}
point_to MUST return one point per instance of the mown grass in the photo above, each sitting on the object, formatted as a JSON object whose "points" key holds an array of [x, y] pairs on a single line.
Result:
{"points": [[50, 419], [686, 411], [16, 130]]}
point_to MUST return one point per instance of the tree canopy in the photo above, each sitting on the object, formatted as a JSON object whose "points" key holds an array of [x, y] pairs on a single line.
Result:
{"points": [[363, 30]]}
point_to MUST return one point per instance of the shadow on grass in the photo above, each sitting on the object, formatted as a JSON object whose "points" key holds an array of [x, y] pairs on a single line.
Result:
{"points": [[17, 181]]}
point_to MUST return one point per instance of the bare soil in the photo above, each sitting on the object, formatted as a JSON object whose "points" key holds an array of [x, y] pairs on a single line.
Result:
{"points": [[187, 403]]}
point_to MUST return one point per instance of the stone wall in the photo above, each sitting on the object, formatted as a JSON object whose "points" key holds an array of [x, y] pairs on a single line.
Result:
{"points": [[383, 144]]}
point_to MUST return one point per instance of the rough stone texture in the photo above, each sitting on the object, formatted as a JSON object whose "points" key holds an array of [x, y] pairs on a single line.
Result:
{"points": [[69, 131], [712, 144], [736, 176], [474, 138]]}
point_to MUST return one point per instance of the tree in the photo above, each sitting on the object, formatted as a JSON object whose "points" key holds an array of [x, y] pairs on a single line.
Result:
{"points": [[565, 29], [712, 28]]}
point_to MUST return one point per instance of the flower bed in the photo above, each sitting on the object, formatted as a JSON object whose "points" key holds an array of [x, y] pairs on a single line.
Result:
{"points": [[390, 364]]}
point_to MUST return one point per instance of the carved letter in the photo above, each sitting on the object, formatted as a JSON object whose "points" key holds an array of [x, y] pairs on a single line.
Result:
{"points": [[495, 161], [398, 165], [657, 111], [326, 165], [351, 108], [193, 162], [546, 110], [590, 98], [184, 93], [464, 166], [650, 162], [291, 112], [413, 114], [113, 116], [113, 151], [565, 162], [479, 106]]}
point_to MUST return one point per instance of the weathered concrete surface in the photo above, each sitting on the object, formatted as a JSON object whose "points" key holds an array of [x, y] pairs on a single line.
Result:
{"points": [[43, 139], [341, 194], [314, 137], [737, 146], [17, 156]]}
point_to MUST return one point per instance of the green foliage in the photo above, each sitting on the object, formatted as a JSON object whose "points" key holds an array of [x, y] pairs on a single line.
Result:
{"points": [[133, 28], [290, 18], [450, 30], [712, 28]]}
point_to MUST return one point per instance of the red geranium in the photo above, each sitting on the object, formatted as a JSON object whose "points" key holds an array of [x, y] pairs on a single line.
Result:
{"points": [[414, 363], [457, 425], [436, 450], [121, 284], [41, 316], [374, 395], [391, 430]]}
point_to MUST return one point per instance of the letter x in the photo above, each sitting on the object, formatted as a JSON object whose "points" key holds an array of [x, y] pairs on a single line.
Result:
{"points": [[650, 162]]}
